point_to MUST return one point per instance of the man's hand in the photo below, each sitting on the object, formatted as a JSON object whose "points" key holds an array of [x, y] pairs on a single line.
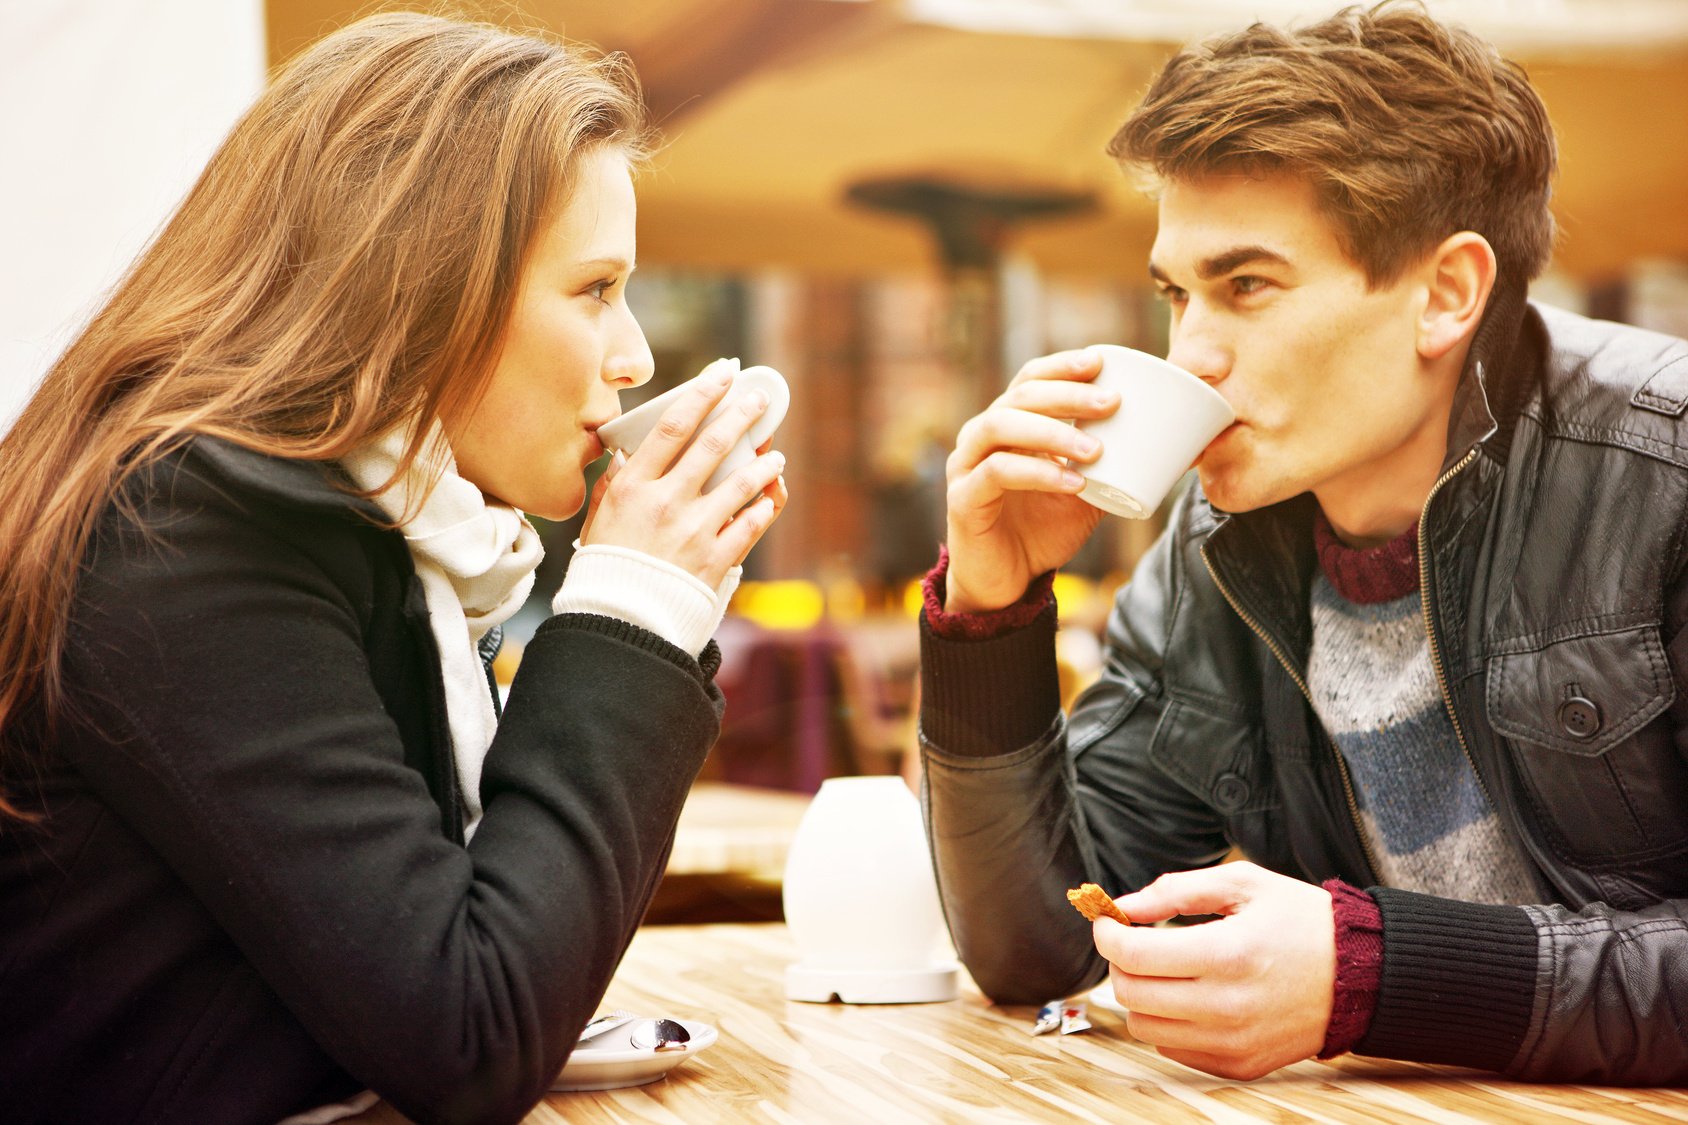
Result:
{"points": [[1014, 511], [1238, 997]]}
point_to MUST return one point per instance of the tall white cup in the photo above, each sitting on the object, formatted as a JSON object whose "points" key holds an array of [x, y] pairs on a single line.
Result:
{"points": [[1165, 419], [861, 901]]}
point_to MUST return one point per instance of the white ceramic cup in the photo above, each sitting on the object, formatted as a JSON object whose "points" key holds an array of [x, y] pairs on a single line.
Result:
{"points": [[1165, 419], [628, 431]]}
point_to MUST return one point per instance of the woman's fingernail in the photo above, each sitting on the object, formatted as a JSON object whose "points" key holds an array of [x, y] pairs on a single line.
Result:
{"points": [[758, 399], [1081, 361], [1085, 445], [1071, 479]]}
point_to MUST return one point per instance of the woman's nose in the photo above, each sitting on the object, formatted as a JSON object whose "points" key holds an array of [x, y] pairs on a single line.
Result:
{"points": [[629, 362]]}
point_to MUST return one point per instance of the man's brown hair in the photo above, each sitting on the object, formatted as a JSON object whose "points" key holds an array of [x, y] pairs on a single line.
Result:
{"points": [[1408, 129]]}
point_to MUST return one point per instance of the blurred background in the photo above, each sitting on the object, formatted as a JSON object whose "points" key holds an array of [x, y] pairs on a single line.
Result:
{"points": [[895, 202]]}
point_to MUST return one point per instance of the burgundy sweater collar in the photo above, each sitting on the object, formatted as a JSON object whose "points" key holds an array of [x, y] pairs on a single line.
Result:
{"points": [[1367, 575]]}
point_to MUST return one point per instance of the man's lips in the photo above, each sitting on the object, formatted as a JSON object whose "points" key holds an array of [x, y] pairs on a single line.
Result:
{"points": [[1220, 437]]}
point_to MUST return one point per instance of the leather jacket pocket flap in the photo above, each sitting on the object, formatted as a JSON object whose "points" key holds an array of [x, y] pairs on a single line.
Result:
{"points": [[1582, 695], [1104, 705], [1216, 758]]}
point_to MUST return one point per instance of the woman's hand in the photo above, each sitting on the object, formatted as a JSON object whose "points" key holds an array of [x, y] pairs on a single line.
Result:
{"points": [[653, 501], [1014, 510]]}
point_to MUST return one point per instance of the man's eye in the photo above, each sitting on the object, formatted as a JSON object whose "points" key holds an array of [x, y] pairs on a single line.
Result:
{"points": [[1248, 284], [1172, 294]]}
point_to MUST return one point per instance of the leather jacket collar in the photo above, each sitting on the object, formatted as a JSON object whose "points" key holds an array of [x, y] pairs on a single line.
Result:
{"points": [[1494, 383]]}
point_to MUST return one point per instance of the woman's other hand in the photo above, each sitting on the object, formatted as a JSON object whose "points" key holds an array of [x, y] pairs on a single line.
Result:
{"points": [[653, 501]]}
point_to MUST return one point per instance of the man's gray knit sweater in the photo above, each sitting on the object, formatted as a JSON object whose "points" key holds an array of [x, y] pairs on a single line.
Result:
{"points": [[1373, 684]]}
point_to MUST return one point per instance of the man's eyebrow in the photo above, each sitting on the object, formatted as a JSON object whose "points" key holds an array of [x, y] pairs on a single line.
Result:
{"points": [[1221, 264]]}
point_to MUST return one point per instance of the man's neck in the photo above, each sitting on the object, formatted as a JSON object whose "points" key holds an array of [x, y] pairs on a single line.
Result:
{"points": [[1381, 499], [1365, 516]]}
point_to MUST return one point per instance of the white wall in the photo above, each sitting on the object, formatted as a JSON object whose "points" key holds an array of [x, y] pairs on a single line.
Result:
{"points": [[108, 111]]}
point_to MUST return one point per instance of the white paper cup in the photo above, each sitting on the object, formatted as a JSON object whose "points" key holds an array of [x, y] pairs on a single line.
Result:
{"points": [[1165, 419], [628, 431]]}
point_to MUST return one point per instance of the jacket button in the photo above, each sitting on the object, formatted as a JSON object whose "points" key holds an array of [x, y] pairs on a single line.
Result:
{"points": [[1230, 793], [1580, 717]]}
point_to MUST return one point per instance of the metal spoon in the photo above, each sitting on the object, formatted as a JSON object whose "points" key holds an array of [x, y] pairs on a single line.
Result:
{"points": [[597, 1025], [658, 1034]]}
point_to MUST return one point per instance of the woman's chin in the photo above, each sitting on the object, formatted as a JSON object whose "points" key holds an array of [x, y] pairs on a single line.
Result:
{"points": [[555, 512], [555, 505]]}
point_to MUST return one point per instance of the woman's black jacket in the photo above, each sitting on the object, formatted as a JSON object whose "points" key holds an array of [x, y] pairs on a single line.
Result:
{"points": [[247, 893]]}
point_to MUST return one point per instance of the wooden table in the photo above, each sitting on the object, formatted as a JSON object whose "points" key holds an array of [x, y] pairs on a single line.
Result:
{"points": [[727, 829], [966, 1062]]}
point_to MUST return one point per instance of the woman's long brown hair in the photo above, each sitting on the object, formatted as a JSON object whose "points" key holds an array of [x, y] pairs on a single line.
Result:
{"points": [[347, 260]]}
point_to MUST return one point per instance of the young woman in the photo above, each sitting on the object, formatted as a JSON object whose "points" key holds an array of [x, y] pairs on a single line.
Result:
{"points": [[267, 847]]}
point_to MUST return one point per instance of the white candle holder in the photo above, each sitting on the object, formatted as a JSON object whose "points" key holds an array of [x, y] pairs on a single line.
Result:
{"points": [[861, 901]]}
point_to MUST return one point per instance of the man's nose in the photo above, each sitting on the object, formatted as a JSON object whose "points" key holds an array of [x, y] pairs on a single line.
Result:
{"points": [[1196, 347]]}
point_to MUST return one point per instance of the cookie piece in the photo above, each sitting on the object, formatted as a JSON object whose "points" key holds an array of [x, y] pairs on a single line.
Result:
{"points": [[1093, 902]]}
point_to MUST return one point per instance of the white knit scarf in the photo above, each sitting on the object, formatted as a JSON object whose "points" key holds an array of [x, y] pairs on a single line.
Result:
{"points": [[475, 559]]}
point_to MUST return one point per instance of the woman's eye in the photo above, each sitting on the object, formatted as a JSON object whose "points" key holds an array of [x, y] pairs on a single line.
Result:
{"points": [[601, 289]]}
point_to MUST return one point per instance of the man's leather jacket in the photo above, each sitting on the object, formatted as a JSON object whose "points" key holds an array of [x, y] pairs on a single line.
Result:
{"points": [[1552, 568]]}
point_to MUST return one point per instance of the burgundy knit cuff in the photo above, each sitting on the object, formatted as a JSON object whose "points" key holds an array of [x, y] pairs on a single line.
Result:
{"points": [[982, 626], [1359, 966]]}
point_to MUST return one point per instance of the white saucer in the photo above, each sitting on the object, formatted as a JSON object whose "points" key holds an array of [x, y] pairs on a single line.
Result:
{"points": [[610, 1068], [1102, 996], [872, 986]]}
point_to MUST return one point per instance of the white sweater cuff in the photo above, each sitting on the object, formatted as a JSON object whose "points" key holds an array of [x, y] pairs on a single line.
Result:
{"points": [[646, 591]]}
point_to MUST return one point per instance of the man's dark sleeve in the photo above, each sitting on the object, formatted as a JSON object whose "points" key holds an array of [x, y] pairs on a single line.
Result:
{"points": [[1018, 811]]}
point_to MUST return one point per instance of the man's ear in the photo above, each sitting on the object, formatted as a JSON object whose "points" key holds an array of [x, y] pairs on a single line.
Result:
{"points": [[1459, 275]]}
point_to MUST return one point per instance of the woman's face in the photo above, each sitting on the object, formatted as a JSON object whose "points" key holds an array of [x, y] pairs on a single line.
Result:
{"points": [[572, 344]]}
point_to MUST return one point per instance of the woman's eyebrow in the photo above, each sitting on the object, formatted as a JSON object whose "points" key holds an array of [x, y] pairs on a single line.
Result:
{"points": [[615, 265]]}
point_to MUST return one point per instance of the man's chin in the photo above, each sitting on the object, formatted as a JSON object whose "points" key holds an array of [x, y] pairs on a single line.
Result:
{"points": [[1228, 492]]}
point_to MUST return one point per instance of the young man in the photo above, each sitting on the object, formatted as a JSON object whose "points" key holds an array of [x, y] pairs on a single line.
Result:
{"points": [[1420, 629]]}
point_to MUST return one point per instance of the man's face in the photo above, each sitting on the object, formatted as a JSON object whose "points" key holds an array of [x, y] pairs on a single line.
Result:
{"points": [[1323, 372]]}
